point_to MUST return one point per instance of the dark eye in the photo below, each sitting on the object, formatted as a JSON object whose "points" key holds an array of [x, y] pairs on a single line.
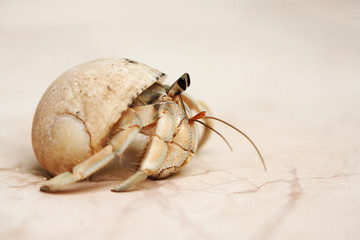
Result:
{"points": [[184, 81], [179, 86]]}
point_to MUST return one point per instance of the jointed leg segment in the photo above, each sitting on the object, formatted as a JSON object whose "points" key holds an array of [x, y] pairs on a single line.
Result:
{"points": [[128, 127], [157, 149], [81, 171]]}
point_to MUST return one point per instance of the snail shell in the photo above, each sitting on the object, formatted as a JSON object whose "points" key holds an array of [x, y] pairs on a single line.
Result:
{"points": [[78, 110]]}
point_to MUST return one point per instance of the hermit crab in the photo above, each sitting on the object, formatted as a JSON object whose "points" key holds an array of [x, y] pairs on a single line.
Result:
{"points": [[95, 110]]}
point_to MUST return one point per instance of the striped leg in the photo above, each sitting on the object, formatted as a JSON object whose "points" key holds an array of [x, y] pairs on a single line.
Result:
{"points": [[157, 149]]}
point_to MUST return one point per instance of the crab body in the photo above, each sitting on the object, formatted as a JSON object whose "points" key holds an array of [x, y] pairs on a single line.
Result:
{"points": [[94, 111]]}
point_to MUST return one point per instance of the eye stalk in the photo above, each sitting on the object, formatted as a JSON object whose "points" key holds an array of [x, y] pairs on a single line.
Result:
{"points": [[179, 86]]}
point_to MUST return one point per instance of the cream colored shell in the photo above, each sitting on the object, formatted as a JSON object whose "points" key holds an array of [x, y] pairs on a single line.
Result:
{"points": [[78, 110]]}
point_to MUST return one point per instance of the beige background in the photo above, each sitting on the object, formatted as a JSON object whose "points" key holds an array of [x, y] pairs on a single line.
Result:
{"points": [[285, 72]]}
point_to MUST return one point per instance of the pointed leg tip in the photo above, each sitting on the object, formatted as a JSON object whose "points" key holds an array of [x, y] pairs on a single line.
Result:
{"points": [[45, 188], [119, 189], [131, 182]]}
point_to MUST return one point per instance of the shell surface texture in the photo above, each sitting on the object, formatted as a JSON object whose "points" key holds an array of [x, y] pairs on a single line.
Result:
{"points": [[93, 112]]}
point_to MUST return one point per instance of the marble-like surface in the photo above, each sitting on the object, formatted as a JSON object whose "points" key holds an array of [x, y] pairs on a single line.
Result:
{"points": [[285, 72]]}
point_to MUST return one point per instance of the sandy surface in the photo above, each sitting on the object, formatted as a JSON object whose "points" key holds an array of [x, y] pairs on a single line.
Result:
{"points": [[285, 73]]}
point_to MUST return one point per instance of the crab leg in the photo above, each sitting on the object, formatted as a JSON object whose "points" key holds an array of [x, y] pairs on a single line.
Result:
{"points": [[128, 127], [157, 149]]}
